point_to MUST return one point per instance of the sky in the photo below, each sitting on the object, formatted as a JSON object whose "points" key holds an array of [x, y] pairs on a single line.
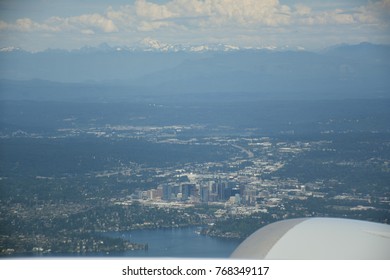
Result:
{"points": [[36, 25]]}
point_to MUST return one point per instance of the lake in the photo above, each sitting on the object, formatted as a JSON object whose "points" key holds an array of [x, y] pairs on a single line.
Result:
{"points": [[177, 243]]}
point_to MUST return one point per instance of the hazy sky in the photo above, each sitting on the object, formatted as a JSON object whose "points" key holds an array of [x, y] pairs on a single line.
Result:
{"points": [[68, 24]]}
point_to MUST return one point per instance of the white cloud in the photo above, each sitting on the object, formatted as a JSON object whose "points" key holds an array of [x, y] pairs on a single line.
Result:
{"points": [[87, 32], [145, 16], [375, 12], [302, 10], [146, 26], [337, 16], [58, 24], [94, 21], [4, 25], [26, 25], [210, 14], [228, 21], [221, 12], [151, 11]]}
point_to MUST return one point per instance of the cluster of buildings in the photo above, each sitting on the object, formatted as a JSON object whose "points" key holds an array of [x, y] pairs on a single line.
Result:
{"points": [[260, 194], [212, 191]]}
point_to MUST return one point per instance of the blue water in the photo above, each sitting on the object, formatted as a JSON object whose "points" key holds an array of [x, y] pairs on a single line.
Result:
{"points": [[177, 243]]}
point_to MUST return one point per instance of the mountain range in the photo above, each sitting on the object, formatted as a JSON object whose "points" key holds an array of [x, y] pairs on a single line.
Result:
{"points": [[344, 71]]}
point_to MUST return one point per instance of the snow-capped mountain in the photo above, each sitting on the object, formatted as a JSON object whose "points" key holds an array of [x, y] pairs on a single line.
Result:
{"points": [[10, 49], [149, 44], [152, 45], [159, 67]]}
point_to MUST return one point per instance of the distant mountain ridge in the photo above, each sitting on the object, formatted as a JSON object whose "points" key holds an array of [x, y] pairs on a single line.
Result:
{"points": [[344, 71], [150, 44]]}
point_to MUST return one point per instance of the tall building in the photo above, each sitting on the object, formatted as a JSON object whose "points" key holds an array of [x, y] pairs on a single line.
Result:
{"points": [[212, 187], [204, 194], [166, 192], [187, 190], [221, 190], [159, 192], [250, 195]]}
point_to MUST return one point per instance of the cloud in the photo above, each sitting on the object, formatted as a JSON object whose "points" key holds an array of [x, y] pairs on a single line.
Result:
{"points": [[302, 10], [186, 21], [375, 12], [94, 21], [87, 32], [27, 25], [144, 15], [216, 13], [57, 24], [151, 11], [211, 14], [337, 16], [146, 26]]}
